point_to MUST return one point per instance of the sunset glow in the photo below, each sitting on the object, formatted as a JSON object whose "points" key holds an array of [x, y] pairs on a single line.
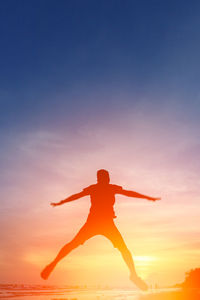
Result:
{"points": [[156, 233]]}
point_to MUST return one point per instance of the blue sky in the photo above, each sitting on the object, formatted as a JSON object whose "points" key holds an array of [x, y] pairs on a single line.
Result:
{"points": [[57, 55], [91, 84]]}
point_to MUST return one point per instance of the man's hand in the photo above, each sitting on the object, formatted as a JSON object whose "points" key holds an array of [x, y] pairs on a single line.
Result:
{"points": [[154, 199], [55, 204]]}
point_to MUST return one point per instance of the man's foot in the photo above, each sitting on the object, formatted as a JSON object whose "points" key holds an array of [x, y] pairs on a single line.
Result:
{"points": [[47, 271], [139, 282]]}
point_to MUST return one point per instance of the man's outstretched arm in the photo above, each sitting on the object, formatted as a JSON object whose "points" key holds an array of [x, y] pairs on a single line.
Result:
{"points": [[71, 198], [137, 195]]}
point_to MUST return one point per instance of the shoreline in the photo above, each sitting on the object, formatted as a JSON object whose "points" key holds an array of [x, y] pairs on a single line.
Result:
{"points": [[190, 294]]}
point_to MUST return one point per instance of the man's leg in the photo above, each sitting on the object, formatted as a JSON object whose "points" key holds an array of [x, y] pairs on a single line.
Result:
{"points": [[126, 254], [115, 237], [83, 235]]}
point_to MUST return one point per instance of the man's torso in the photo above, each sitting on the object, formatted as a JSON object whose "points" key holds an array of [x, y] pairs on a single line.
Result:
{"points": [[102, 200]]}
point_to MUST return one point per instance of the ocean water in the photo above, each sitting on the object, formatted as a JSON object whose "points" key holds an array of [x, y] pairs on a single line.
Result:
{"points": [[39, 292], [44, 292]]}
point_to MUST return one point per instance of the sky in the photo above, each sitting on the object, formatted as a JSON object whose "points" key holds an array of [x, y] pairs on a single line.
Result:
{"points": [[86, 85]]}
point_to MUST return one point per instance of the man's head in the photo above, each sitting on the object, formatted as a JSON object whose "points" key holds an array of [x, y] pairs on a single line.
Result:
{"points": [[103, 176]]}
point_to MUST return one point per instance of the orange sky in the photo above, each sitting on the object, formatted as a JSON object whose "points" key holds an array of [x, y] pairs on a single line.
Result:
{"points": [[152, 156]]}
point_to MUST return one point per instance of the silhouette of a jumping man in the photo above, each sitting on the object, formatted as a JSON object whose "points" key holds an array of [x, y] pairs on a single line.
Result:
{"points": [[100, 222]]}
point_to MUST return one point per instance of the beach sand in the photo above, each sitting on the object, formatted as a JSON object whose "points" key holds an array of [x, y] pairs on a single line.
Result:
{"points": [[173, 295]]}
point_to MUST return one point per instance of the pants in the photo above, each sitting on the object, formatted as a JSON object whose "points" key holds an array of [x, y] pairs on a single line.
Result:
{"points": [[105, 227]]}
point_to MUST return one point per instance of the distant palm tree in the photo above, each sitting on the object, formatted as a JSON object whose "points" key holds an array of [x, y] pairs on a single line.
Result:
{"points": [[192, 279]]}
